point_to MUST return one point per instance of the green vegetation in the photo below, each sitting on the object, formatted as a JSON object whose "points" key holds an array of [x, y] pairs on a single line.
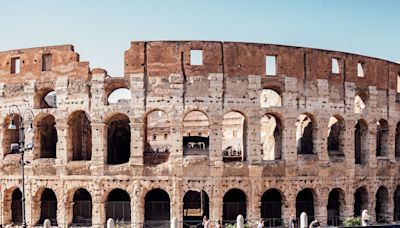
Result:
{"points": [[352, 221]]}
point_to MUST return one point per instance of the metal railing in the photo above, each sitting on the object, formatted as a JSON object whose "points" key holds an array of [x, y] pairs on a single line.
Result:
{"points": [[119, 211]]}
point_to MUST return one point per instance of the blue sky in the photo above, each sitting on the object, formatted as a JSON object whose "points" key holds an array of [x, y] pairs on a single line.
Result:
{"points": [[102, 30]]}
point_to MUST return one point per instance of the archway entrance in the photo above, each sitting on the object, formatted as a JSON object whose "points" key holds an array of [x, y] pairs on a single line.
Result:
{"points": [[234, 205], [360, 201], [82, 209], [48, 207], [195, 206], [271, 208], [157, 209], [118, 206], [305, 203]]}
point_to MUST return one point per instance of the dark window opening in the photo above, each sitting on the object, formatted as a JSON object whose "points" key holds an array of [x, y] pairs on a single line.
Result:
{"points": [[361, 142], [15, 65], [82, 208], [48, 137], [335, 139], [305, 135], [81, 133], [118, 140], [196, 123], [360, 201], [382, 206], [195, 206], [118, 206], [334, 207], [271, 208], [16, 207], [382, 137], [48, 207], [305, 203], [157, 208], [396, 200], [234, 204], [397, 141], [46, 62]]}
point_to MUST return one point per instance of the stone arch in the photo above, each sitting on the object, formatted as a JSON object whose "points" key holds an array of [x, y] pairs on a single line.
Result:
{"points": [[382, 205], [195, 206], [396, 203], [10, 136], [118, 139], [45, 98], [382, 138], [305, 202], [79, 136], [271, 137], [48, 206], [119, 95], [361, 142], [233, 136], [360, 200], [157, 208], [118, 206], [305, 134], [47, 136], [234, 203], [16, 206], [397, 141], [82, 208], [270, 98], [158, 140], [196, 133], [271, 208], [335, 207], [336, 138]]}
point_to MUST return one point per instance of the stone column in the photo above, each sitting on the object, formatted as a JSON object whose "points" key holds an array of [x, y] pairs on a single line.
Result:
{"points": [[137, 206], [320, 139], [289, 144], [177, 201], [349, 145], [98, 212], [216, 202], [62, 155], [64, 209], [137, 143], [215, 140], [99, 148], [371, 153]]}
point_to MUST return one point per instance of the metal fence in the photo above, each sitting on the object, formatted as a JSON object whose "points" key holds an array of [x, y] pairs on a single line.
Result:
{"points": [[119, 211]]}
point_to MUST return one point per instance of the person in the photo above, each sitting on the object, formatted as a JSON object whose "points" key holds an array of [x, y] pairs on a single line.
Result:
{"points": [[365, 218], [206, 222], [260, 223], [315, 223], [292, 221], [218, 224]]}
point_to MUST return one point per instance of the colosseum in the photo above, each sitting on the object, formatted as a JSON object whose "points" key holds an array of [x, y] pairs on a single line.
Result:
{"points": [[198, 128]]}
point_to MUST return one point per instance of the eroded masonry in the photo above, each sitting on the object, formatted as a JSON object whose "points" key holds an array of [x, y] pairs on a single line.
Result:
{"points": [[202, 128]]}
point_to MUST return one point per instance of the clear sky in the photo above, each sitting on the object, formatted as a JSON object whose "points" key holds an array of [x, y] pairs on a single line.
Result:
{"points": [[102, 30]]}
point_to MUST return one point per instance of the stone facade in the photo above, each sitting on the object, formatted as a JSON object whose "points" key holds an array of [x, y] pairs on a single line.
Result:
{"points": [[298, 161]]}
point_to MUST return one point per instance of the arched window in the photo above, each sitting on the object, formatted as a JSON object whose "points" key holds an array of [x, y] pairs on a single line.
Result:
{"points": [[16, 207], [360, 201], [336, 138], [10, 136], [361, 142], [382, 137], [157, 208], [396, 200], [118, 206], [48, 207], [382, 205], [118, 139], [82, 208], [233, 137], [335, 207], [195, 206], [234, 204], [270, 98], [48, 137], [196, 133], [121, 95], [271, 137], [305, 134], [359, 105], [397, 141], [305, 203], [158, 138], [271, 208], [80, 132], [46, 98]]}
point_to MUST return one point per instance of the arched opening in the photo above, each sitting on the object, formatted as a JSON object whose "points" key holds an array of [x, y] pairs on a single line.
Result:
{"points": [[118, 206], [361, 142], [46, 98], [118, 140], [382, 205], [82, 208], [335, 139], [196, 133], [80, 131], [234, 204], [270, 98], [10, 136], [382, 137], [157, 208], [271, 208], [359, 105], [48, 207], [158, 138], [305, 203], [335, 207], [305, 135], [16, 207], [233, 137], [396, 200], [48, 137], [397, 141], [271, 137], [119, 96], [195, 206], [360, 201]]}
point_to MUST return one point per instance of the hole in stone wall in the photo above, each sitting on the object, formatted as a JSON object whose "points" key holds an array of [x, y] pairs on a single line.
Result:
{"points": [[196, 132], [382, 138], [270, 65], [158, 140], [233, 125], [195, 206], [15, 65], [118, 139], [121, 95], [361, 142], [46, 62], [234, 204], [82, 208], [48, 207], [305, 135], [360, 70], [360, 201], [335, 138], [157, 208], [359, 105], [305, 203], [16, 207], [382, 205], [397, 141], [118, 206], [335, 207], [396, 200], [80, 132], [271, 208], [48, 137], [335, 66], [270, 98], [271, 137], [45, 98], [196, 57]]}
